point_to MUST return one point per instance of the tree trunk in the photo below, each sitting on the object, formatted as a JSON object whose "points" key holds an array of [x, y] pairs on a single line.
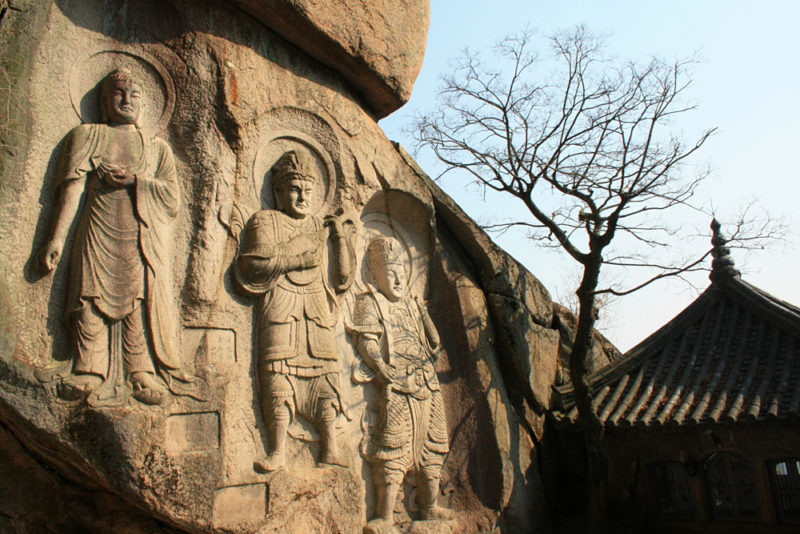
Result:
{"points": [[590, 423]]}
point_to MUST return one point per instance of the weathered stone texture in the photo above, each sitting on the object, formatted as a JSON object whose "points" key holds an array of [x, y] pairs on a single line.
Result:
{"points": [[229, 98], [377, 45], [34, 499]]}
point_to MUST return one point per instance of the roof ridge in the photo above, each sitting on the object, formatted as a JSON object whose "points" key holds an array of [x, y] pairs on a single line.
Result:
{"points": [[788, 315]]}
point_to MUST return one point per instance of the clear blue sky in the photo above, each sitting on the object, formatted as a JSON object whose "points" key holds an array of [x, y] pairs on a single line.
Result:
{"points": [[747, 85]]}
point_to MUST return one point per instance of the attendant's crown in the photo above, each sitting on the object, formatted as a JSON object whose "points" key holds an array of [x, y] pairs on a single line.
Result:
{"points": [[384, 251], [292, 166]]}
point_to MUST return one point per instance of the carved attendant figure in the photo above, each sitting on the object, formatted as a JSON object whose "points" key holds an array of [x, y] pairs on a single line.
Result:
{"points": [[120, 273], [281, 262], [397, 339]]}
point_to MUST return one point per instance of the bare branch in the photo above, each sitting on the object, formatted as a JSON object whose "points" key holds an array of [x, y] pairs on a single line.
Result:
{"points": [[586, 145]]}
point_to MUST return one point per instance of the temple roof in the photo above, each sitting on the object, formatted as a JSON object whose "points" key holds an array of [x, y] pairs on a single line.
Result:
{"points": [[732, 355]]}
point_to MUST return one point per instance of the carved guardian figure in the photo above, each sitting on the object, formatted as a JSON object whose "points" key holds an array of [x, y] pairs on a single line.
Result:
{"points": [[398, 341], [282, 262], [120, 282]]}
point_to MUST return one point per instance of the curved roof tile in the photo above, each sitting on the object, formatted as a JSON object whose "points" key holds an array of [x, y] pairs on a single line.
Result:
{"points": [[732, 355]]}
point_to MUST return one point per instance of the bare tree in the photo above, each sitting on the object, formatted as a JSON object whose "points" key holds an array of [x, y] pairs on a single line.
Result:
{"points": [[586, 148]]}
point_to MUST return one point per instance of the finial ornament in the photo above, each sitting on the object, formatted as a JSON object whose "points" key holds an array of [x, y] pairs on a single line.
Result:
{"points": [[722, 266]]}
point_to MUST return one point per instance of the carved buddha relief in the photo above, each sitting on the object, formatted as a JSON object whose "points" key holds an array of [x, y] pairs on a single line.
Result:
{"points": [[399, 345], [282, 263], [119, 298]]}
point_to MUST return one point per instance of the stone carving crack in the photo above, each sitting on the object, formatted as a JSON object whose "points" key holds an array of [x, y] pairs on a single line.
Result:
{"points": [[5, 7]]}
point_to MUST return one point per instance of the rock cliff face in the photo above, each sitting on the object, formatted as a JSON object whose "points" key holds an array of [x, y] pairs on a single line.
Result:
{"points": [[377, 46], [244, 386]]}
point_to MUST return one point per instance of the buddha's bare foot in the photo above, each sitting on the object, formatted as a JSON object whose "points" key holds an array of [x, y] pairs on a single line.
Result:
{"points": [[332, 457], [436, 512], [146, 389], [76, 387], [380, 525], [272, 462]]}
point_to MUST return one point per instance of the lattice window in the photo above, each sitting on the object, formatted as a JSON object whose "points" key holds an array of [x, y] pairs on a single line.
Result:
{"points": [[731, 486], [669, 489], [785, 476]]}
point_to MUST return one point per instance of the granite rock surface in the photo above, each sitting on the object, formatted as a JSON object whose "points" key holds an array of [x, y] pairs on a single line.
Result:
{"points": [[225, 94]]}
